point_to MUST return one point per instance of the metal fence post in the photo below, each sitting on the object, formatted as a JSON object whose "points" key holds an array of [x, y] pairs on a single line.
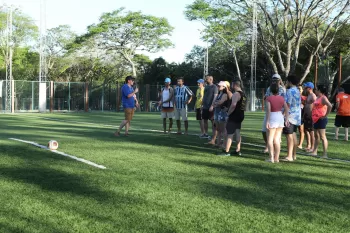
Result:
{"points": [[51, 96], [147, 98], [118, 98], [13, 96], [86, 97], [103, 96], [69, 96]]}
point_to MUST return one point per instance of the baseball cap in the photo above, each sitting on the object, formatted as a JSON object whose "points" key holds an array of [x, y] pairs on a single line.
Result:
{"points": [[222, 83], [167, 80], [309, 85], [276, 76], [200, 81], [129, 78]]}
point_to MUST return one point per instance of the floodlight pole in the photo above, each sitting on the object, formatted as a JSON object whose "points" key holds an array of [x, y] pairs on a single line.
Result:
{"points": [[9, 53], [42, 63], [253, 58]]}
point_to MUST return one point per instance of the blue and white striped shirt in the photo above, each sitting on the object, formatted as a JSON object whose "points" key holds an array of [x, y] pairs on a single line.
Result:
{"points": [[181, 96]]}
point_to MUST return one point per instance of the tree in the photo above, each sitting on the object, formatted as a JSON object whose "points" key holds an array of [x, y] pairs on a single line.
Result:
{"points": [[220, 26], [56, 42], [285, 25], [25, 32], [127, 33]]}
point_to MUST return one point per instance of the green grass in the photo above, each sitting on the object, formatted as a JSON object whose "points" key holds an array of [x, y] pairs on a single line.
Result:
{"points": [[161, 183]]}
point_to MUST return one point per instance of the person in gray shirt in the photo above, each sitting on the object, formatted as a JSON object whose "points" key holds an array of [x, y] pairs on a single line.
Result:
{"points": [[210, 94]]}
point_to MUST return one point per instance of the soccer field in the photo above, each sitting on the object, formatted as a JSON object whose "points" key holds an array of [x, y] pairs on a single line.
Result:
{"points": [[155, 182]]}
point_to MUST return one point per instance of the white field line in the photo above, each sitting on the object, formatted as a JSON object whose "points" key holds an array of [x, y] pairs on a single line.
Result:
{"points": [[60, 153], [160, 131]]}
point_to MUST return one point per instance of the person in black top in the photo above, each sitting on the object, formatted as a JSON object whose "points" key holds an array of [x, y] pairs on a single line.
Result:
{"points": [[235, 119]]}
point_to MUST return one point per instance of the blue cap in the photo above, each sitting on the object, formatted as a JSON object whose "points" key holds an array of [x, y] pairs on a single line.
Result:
{"points": [[167, 80], [309, 85], [200, 81]]}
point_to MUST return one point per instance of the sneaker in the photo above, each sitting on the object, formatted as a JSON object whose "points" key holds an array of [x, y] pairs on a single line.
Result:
{"points": [[238, 153], [204, 136], [224, 153]]}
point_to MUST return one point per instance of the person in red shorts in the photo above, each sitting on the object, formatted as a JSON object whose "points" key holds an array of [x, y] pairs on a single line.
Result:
{"points": [[342, 119]]}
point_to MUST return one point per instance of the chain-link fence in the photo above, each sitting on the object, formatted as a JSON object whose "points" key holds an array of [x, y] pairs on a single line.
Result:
{"points": [[78, 96]]}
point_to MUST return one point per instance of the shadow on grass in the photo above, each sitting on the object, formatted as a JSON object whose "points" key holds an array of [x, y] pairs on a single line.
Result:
{"points": [[271, 189], [80, 196]]}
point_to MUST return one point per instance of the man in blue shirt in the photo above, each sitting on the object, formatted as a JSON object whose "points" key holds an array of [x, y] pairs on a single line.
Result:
{"points": [[129, 101], [293, 100], [183, 96]]}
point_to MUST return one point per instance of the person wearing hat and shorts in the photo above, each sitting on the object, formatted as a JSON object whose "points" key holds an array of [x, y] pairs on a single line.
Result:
{"points": [[198, 104], [307, 116], [129, 101], [276, 78], [167, 104], [342, 119], [183, 96]]}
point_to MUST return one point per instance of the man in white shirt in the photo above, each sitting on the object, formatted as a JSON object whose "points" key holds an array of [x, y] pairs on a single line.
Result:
{"points": [[167, 104]]}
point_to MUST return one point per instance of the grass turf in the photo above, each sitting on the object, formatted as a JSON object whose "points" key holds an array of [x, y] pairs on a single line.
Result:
{"points": [[161, 183]]}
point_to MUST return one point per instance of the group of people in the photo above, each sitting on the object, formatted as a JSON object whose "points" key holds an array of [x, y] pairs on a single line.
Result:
{"points": [[215, 103], [289, 107]]}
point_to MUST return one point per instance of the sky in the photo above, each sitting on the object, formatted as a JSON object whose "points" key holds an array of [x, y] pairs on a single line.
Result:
{"points": [[81, 13]]}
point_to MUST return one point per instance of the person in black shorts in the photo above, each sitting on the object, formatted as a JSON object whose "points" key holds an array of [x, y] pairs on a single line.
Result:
{"points": [[210, 94], [235, 118], [198, 104]]}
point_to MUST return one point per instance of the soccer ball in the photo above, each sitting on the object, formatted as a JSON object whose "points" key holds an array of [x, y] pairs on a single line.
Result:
{"points": [[53, 145]]}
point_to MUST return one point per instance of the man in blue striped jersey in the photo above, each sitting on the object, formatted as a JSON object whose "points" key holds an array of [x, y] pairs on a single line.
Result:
{"points": [[183, 96]]}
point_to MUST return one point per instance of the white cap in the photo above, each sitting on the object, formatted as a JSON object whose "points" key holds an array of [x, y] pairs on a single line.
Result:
{"points": [[276, 76], [222, 83]]}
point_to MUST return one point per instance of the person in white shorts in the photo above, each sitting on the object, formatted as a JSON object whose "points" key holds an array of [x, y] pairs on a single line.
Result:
{"points": [[167, 104], [275, 122], [183, 96], [276, 78]]}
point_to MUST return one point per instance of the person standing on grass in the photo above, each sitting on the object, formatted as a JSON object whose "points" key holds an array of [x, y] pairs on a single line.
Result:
{"points": [[320, 111], [307, 116], [301, 127], [293, 99], [167, 104], [198, 104], [235, 118], [275, 122], [183, 96], [276, 78], [342, 119], [129, 101], [219, 114], [210, 94]]}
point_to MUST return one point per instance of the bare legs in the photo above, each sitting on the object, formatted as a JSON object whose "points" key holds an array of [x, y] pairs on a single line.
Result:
{"points": [[346, 131], [274, 143], [125, 123], [265, 140], [292, 144], [320, 135], [301, 136], [215, 133], [170, 124], [230, 139], [201, 125]]}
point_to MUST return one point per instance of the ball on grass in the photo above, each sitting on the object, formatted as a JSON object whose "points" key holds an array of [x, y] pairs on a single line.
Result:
{"points": [[53, 145]]}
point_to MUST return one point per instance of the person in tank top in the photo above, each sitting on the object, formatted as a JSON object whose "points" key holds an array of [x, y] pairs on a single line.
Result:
{"points": [[320, 111]]}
